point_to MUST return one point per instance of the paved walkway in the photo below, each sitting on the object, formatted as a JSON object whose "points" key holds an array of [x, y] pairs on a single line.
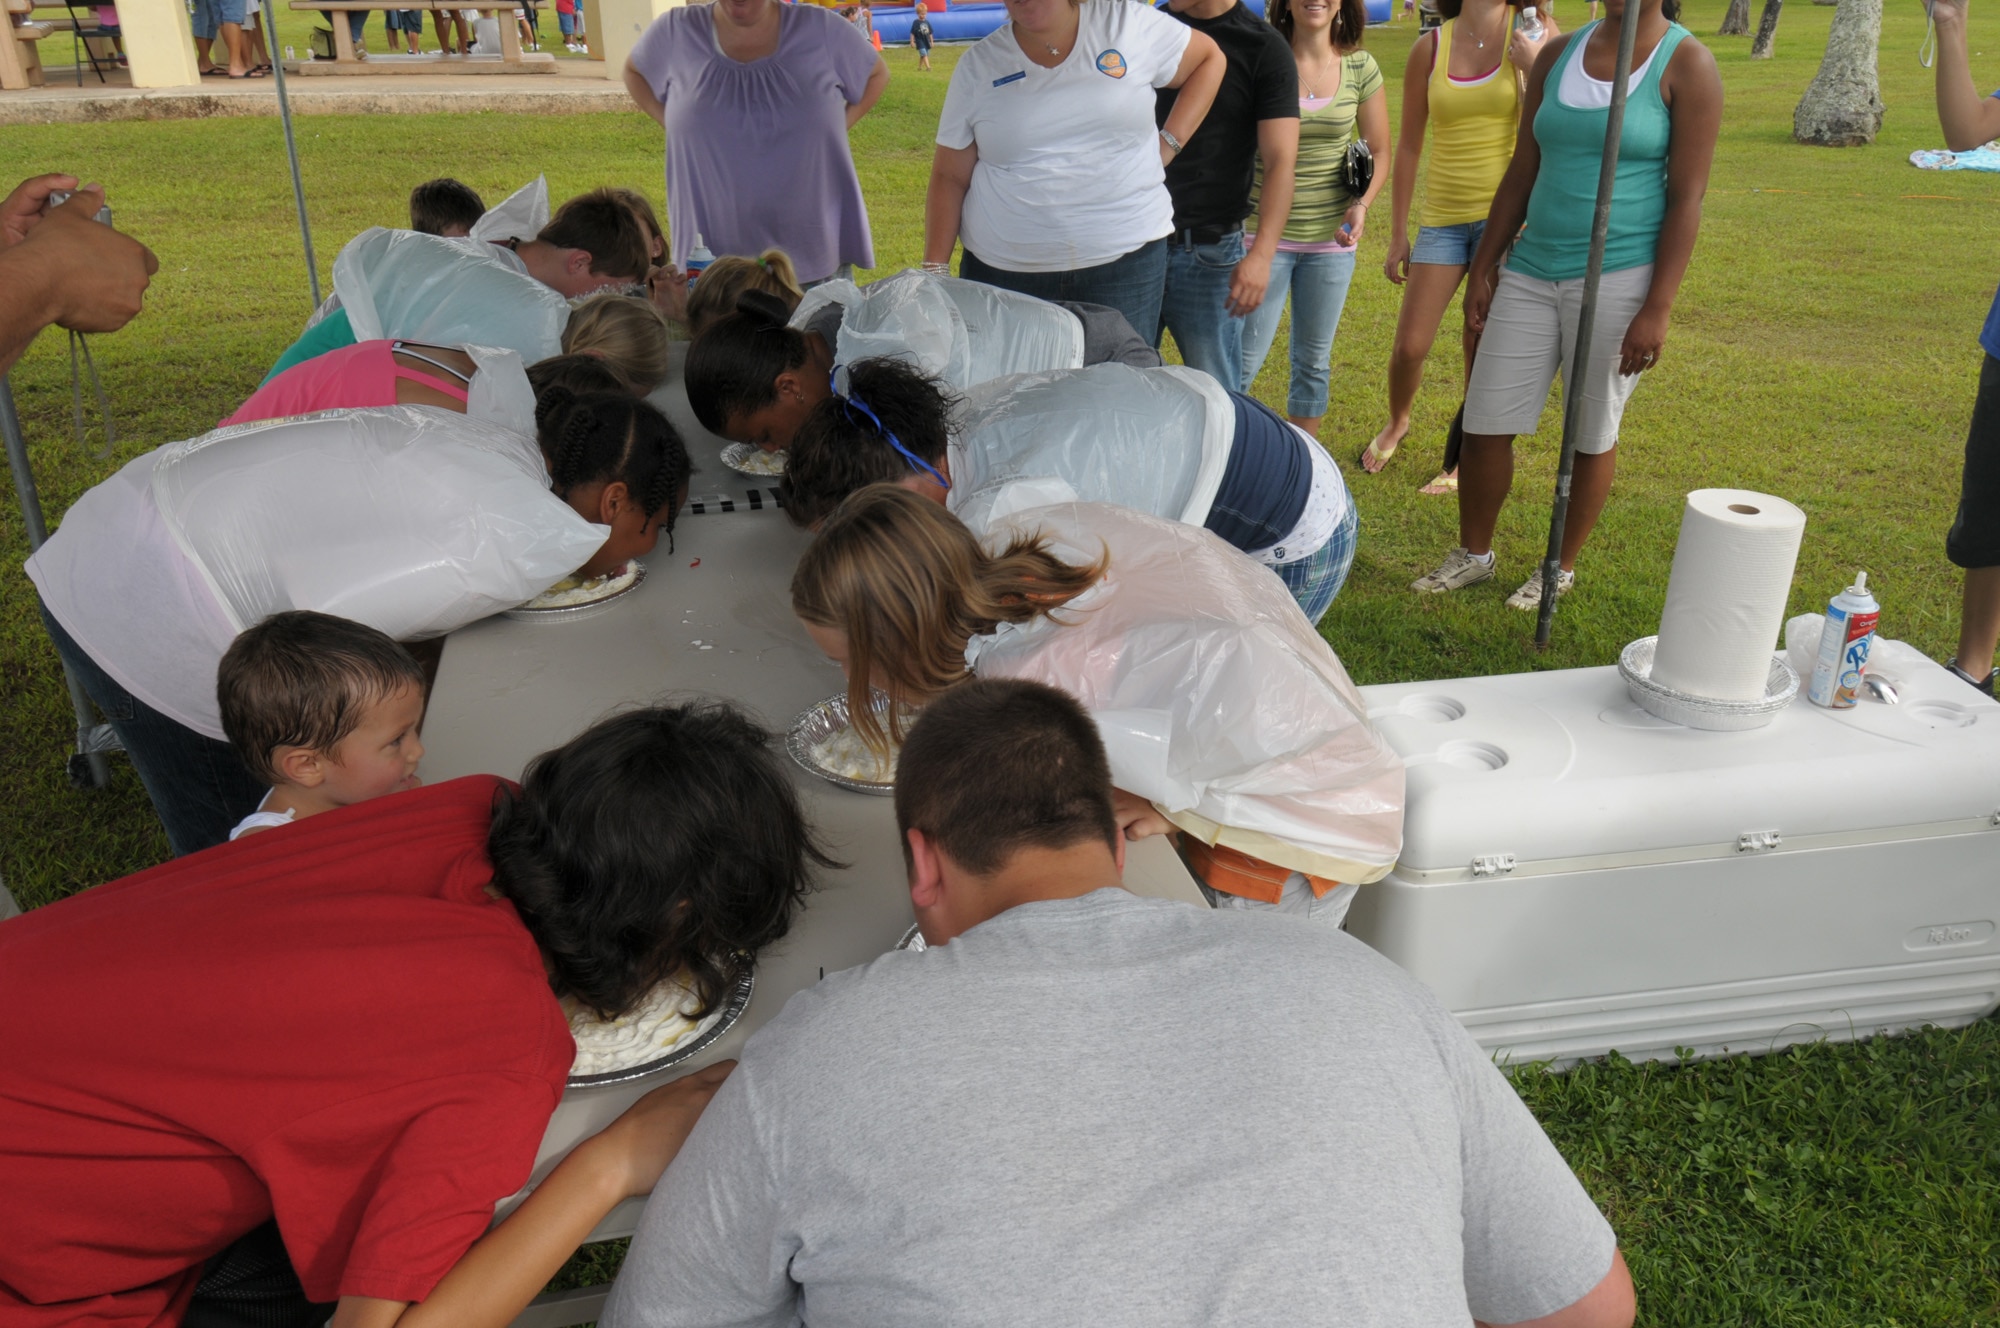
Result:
{"points": [[62, 102]]}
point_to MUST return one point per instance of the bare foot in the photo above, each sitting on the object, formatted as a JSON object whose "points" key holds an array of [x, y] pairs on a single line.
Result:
{"points": [[1376, 455]]}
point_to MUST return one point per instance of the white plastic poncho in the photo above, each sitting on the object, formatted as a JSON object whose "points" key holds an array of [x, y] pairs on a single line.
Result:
{"points": [[411, 519], [500, 390], [1155, 440], [964, 332], [446, 293], [522, 215], [1216, 699]]}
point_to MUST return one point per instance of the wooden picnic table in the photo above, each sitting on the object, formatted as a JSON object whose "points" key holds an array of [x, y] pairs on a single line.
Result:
{"points": [[512, 59]]}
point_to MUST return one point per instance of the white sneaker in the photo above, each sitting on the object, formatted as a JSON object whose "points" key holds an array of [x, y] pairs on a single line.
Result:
{"points": [[1460, 569], [1529, 596]]}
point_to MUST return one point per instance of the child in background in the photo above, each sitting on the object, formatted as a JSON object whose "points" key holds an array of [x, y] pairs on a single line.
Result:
{"points": [[529, 20], [325, 709], [567, 19], [409, 22], [732, 274], [920, 38], [444, 206], [447, 21]]}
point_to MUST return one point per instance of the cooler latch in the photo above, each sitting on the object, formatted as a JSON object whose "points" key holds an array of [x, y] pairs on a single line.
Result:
{"points": [[1493, 864], [1758, 841]]}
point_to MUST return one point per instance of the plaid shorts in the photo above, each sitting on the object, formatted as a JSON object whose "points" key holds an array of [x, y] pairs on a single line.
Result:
{"points": [[1315, 579]]}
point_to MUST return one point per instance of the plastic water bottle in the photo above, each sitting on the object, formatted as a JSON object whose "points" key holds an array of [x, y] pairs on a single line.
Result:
{"points": [[1844, 646], [1531, 24], [698, 258], [291, 54]]}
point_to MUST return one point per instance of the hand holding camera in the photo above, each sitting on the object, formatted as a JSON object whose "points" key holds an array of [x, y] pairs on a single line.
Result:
{"points": [[91, 278]]}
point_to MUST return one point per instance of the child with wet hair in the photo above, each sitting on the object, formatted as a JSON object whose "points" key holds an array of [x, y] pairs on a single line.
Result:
{"points": [[323, 708], [618, 462]]}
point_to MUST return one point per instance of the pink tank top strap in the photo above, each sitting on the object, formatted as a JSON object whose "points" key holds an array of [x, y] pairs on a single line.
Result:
{"points": [[456, 391]]}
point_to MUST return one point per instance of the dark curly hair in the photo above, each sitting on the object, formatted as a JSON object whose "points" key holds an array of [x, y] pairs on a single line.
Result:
{"points": [[658, 842], [733, 366], [607, 436], [580, 374], [839, 450]]}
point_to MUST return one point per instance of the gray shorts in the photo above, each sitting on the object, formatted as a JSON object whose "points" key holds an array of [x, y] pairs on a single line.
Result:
{"points": [[1530, 336]]}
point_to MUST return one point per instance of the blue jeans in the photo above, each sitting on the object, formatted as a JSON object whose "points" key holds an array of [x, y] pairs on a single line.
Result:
{"points": [[1132, 284], [1315, 579], [1195, 308], [1317, 286], [199, 786]]}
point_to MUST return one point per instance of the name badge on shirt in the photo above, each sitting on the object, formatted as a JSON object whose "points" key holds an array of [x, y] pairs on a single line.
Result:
{"points": [[1014, 77]]}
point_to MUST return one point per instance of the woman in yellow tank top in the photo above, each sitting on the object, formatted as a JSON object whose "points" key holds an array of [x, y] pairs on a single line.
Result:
{"points": [[1461, 79]]}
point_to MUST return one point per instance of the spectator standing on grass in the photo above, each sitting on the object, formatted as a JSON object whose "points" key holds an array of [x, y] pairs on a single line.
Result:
{"points": [[1213, 280], [920, 38], [1054, 1114], [1340, 100], [1459, 83], [757, 98], [1049, 165], [1974, 543], [1524, 305]]}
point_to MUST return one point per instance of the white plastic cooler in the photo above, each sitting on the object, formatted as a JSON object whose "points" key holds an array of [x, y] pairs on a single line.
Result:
{"points": [[1578, 876]]}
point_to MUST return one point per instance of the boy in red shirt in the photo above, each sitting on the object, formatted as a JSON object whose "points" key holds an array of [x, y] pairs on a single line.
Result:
{"points": [[333, 1050]]}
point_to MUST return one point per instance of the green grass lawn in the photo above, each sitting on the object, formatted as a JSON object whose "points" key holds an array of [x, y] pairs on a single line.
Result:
{"points": [[1824, 349]]}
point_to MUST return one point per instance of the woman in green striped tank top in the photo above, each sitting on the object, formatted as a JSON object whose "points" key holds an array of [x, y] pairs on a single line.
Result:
{"points": [[1525, 313]]}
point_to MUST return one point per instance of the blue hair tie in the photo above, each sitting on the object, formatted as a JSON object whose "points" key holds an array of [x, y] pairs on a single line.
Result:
{"points": [[856, 404]]}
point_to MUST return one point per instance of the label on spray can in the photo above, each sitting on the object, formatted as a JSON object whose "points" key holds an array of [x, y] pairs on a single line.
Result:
{"points": [[1844, 647]]}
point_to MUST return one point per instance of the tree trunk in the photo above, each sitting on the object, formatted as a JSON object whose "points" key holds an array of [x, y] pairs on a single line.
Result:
{"points": [[1767, 30], [1736, 23], [1842, 107]]}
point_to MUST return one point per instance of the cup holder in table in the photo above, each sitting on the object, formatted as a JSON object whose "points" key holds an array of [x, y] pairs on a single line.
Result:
{"points": [[1478, 757], [1431, 707], [1941, 714]]}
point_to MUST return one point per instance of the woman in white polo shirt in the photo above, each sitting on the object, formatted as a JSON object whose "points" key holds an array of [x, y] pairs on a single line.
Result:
{"points": [[1048, 166]]}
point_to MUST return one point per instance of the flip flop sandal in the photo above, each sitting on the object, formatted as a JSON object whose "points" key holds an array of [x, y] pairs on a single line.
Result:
{"points": [[1382, 458], [1446, 482]]}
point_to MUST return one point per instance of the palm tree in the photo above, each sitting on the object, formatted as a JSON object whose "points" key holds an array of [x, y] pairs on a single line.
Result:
{"points": [[1842, 107]]}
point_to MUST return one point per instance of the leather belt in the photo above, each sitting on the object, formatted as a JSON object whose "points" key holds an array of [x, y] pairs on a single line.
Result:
{"points": [[1195, 235]]}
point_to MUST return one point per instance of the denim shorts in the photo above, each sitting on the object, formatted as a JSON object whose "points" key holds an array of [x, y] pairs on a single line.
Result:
{"points": [[1448, 246]]}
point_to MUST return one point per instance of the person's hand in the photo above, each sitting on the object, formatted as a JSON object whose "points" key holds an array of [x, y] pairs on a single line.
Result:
{"points": [[95, 279], [1522, 49], [1949, 12], [1248, 283], [1356, 222], [1396, 266], [1645, 335], [668, 288], [641, 1143], [1137, 818], [1479, 284], [23, 207]]}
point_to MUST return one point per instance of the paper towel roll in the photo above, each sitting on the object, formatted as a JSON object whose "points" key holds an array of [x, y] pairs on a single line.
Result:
{"points": [[1726, 597]]}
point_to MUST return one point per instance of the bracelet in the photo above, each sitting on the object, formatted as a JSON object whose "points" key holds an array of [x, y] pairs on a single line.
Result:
{"points": [[1173, 144], [937, 269]]}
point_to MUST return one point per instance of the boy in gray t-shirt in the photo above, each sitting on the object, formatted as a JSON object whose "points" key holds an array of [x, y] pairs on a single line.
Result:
{"points": [[1096, 1109]]}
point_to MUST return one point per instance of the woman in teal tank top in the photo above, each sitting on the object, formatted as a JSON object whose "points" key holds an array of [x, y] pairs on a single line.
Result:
{"points": [[1522, 306]]}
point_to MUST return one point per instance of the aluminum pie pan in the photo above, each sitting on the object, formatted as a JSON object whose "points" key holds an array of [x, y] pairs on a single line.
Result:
{"points": [[820, 722], [1635, 665], [732, 1010], [734, 455], [570, 613]]}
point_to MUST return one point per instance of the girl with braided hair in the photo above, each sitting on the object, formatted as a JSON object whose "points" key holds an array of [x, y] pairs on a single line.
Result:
{"points": [[617, 462]]}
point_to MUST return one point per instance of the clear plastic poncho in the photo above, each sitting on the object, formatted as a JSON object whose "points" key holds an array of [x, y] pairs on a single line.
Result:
{"points": [[411, 519], [522, 215], [1155, 440], [446, 293], [1216, 699], [964, 332]]}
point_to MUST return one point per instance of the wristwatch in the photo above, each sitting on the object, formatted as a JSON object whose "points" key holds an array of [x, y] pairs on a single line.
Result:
{"points": [[1173, 144]]}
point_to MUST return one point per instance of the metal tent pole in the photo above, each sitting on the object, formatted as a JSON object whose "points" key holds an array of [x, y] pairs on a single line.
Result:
{"points": [[291, 144], [90, 741], [1600, 228]]}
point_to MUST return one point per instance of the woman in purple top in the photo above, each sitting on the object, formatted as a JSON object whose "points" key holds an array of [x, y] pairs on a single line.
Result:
{"points": [[757, 98]]}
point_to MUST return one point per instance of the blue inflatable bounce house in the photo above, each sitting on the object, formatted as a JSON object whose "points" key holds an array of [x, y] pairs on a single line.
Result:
{"points": [[955, 22]]}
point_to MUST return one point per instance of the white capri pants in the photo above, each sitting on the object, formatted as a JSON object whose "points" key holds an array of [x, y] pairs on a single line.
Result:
{"points": [[1530, 336]]}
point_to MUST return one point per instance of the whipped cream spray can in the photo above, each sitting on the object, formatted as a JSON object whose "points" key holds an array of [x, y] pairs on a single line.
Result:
{"points": [[1844, 646]]}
